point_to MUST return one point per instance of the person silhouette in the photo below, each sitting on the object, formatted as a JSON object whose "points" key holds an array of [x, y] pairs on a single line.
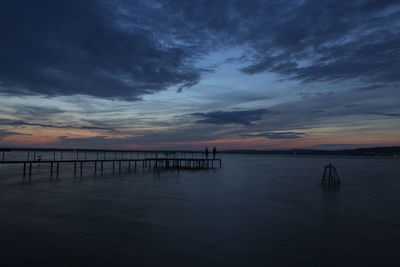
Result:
{"points": [[206, 152], [214, 152]]}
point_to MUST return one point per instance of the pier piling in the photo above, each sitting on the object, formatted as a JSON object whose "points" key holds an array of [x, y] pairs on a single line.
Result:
{"points": [[149, 160], [30, 170]]}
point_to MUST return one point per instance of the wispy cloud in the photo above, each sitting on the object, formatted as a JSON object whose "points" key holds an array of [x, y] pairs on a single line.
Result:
{"points": [[391, 114], [245, 117], [276, 135], [5, 133], [10, 122]]}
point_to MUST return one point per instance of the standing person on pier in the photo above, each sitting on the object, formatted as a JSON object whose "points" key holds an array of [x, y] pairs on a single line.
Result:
{"points": [[214, 152], [206, 152]]}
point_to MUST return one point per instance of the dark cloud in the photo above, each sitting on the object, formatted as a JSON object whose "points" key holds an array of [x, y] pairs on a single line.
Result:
{"points": [[29, 113], [88, 47], [387, 114], [246, 117], [305, 40], [330, 40], [97, 128], [370, 87], [352, 105], [276, 135], [306, 95], [348, 108], [4, 133], [10, 122], [124, 49]]}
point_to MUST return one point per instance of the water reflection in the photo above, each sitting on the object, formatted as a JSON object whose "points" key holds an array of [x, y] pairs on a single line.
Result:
{"points": [[330, 191], [267, 210]]}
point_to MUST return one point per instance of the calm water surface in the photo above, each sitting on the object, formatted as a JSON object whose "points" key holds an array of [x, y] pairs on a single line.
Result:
{"points": [[255, 211]]}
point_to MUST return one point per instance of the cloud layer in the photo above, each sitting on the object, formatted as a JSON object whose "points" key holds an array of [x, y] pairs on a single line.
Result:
{"points": [[87, 47], [244, 117], [125, 49], [276, 135], [116, 72]]}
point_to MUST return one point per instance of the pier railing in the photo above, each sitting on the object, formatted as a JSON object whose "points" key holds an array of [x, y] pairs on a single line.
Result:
{"points": [[90, 154], [99, 159]]}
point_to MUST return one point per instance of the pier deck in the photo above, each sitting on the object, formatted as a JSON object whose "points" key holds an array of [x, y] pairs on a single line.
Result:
{"points": [[145, 160]]}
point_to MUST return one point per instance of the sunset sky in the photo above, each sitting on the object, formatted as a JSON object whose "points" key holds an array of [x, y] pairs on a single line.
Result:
{"points": [[189, 74]]}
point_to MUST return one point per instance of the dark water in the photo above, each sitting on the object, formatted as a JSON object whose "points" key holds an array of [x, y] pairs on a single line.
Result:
{"points": [[255, 211]]}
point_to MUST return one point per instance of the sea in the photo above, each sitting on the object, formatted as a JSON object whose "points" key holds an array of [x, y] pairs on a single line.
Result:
{"points": [[256, 210]]}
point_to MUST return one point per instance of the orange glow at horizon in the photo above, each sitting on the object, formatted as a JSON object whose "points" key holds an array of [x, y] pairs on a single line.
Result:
{"points": [[52, 137]]}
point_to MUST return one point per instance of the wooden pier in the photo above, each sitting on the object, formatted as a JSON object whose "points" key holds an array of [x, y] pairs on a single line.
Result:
{"points": [[121, 161]]}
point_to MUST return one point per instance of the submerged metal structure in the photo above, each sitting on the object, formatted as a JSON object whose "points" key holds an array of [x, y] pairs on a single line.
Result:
{"points": [[330, 176]]}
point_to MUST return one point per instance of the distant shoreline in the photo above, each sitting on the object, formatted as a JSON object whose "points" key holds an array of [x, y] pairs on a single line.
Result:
{"points": [[392, 151]]}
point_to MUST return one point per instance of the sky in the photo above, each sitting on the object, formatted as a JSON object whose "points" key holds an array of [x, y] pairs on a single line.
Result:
{"points": [[150, 74]]}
